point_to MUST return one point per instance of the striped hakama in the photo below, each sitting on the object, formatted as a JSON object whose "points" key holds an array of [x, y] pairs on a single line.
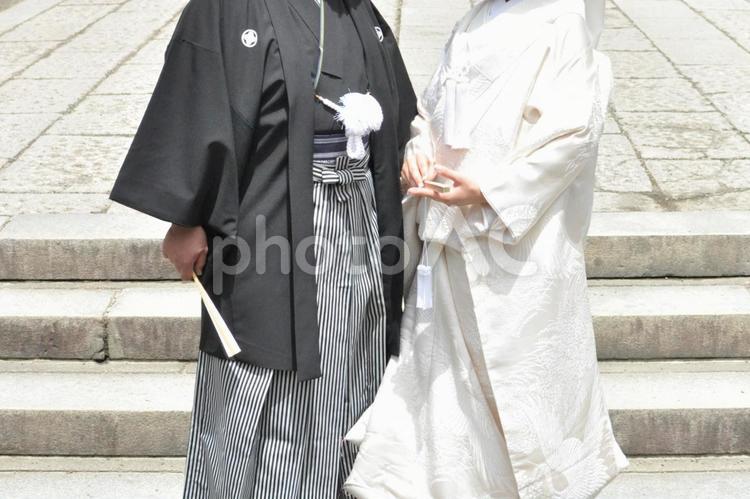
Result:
{"points": [[258, 433]]}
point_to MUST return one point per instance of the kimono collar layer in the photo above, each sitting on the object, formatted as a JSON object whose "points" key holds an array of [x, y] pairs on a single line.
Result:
{"points": [[481, 61]]}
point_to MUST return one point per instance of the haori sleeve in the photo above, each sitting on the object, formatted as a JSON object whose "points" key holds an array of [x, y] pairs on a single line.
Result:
{"points": [[407, 99], [563, 120], [181, 165]]}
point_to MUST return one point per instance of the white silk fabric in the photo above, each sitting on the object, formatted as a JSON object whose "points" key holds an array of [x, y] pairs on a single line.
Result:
{"points": [[496, 392]]}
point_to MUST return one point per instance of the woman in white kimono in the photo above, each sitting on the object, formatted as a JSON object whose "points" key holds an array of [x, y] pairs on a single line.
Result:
{"points": [[496, 392]]}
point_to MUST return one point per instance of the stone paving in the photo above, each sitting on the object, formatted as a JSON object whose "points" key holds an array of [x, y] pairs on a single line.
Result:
{"points": [[75, 77]]}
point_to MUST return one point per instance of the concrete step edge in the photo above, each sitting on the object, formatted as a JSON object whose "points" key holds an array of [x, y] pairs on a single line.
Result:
{"points": [[143, 409], [638, 464], [71, 464], [633, 319], [126, 246], [119, 385]]}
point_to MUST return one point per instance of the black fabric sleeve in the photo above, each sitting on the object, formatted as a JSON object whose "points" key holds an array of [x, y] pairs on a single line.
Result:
{"points": [[181, 166], [407, 99]]}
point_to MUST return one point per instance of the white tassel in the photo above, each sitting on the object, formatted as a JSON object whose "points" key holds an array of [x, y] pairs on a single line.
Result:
{"points": [[360, 114], [424, 287]]}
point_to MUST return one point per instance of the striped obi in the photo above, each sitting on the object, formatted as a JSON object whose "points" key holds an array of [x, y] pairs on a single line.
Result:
{"points": [[331, 165]]}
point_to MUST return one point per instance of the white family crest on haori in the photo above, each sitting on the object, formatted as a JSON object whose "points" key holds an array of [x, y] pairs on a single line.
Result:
{"points": [[360, 114], [379, 32], [496, 391], [249, 38]]}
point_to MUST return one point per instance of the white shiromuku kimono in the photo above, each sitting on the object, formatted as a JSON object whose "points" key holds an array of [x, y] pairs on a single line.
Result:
{"points": [[496, 391]]}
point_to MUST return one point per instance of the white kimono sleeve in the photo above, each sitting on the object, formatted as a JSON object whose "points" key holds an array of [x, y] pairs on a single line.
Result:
{"points": [[561, 126], [421, 137]]}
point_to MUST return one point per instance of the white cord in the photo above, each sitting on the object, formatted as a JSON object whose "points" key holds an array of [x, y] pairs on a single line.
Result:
{"points": [[322, 43]]}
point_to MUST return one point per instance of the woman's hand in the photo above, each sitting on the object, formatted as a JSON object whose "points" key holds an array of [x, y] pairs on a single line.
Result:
{"points": [[416, 169], [464, 191], [186, 248]]}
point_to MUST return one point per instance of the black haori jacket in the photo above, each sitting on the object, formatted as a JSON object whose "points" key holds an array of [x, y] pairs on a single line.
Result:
{"points": [[208, 152]]}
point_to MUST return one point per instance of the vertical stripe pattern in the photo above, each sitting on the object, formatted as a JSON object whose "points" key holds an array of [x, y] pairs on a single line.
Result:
{"points": [[259, 433], [228, 400]]}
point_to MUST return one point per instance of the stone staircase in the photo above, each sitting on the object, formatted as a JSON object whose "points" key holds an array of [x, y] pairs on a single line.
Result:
{"points": [[98, 342]]}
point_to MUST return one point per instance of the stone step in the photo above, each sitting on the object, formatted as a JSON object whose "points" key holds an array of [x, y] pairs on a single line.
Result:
{"points": [[35, 477], [718, 477], [83, 246], [633, 319], [671, 318], [39, 477], [120, 408], [126, 246], [679, 407]]}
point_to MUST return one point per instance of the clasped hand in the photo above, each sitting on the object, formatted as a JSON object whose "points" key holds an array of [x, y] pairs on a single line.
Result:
{"points": [[418, 168]]}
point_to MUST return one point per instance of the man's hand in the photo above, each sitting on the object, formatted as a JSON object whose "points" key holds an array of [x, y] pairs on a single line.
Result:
{"points": [[186, 248], [416, 169], [465, 190]]}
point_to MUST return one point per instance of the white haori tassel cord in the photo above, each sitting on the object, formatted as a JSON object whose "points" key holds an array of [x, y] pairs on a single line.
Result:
{"points": [[360, 114]]}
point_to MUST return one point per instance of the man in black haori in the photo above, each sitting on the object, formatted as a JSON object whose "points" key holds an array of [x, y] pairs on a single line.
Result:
{"points": [[293, 223]]}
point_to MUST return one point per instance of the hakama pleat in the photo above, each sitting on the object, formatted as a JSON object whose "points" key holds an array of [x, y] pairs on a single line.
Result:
{"points": [[259, 433]]}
